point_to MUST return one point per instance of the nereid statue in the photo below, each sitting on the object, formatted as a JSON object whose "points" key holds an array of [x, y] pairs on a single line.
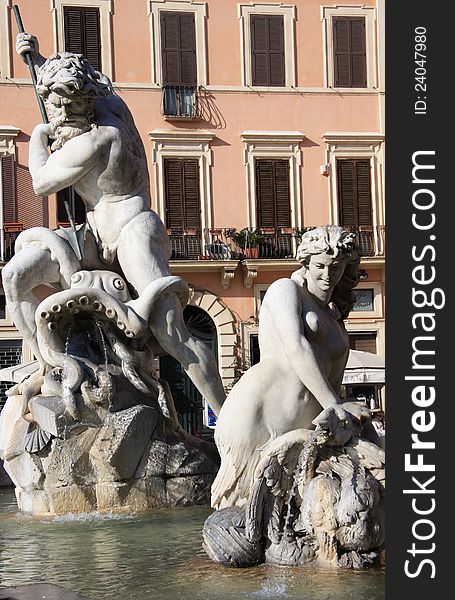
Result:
{"points": [[298, 483], [94, 417]]}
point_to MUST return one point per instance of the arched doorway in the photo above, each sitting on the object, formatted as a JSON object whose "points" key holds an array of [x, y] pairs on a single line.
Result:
{"points": [[187, 399]]}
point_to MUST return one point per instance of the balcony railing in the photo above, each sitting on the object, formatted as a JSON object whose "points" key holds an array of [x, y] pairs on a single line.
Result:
{"points": [[181, 102], [370, 239], [230, 244], [266, 243], [8, 235]]}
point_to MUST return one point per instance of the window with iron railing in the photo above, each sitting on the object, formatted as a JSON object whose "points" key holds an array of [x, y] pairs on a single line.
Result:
{"points": [[181, 98], [181, 101]]}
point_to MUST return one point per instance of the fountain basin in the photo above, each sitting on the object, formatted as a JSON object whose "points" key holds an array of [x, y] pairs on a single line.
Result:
{"points": [[153, 555]]}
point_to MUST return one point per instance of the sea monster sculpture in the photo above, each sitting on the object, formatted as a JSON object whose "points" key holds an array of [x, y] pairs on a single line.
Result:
{"points": [[110, 313], [298, 483]]}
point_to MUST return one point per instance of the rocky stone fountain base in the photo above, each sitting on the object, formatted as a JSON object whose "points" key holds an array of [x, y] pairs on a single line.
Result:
{"points": [[129, 459], [96, 429]]}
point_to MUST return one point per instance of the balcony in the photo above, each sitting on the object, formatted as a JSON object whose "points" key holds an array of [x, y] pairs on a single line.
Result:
{"points": [[8, 236], [269, 243], [181, 102]]}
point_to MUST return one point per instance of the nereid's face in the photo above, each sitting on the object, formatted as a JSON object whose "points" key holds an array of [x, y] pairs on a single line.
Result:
{"points": [[65, 111], [324, 272]]}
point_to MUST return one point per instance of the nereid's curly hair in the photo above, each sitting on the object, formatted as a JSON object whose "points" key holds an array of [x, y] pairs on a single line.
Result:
{"points": [[334, 241], [68, 74]]}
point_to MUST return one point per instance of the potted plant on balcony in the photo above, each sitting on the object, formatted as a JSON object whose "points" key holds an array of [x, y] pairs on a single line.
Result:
{"points": [[248, 241]]}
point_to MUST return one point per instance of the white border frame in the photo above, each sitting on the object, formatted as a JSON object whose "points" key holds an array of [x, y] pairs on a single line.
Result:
{"points": [[183, 143], [350, 10], [155, 7], [5, 38], [377, 311], [289, 15], [279, 145], [106, 9]]}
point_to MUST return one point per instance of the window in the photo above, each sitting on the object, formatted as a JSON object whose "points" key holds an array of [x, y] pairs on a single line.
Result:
{"points": [[76, 204], [178, 47], [178, 42], [178, 54], [350, 67], [183, 209], [272, 161], [19, 206], [354, 192], [8, 189], [272, 193], [84, 26], [350, 46], [364, 300], [369, 302], [267, 50], [356, 186], [183, 144], [82, 33], [365, 342], [10, 356], [255, 352]]}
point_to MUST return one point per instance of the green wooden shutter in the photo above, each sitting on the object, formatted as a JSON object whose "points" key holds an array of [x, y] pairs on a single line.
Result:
{"points": [[8, 188], [267, 50], [349, 48], [354, 192], [82, 33], [183, 208], [272, 193], [178, 48]]}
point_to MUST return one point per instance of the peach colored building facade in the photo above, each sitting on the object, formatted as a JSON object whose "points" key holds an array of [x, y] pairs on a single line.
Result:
{"points": [[235, 118]]}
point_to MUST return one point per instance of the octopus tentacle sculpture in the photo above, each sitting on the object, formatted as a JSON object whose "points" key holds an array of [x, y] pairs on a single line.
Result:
{"points": [[99, 302]]}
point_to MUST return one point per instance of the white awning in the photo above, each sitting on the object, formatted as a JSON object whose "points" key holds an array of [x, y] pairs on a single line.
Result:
{"points": [[364, 367]]}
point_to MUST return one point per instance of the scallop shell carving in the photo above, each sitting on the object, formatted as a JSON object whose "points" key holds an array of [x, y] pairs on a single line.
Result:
{"points": [[36, 440]]}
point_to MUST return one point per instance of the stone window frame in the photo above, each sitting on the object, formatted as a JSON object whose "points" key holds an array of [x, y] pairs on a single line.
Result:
{"points": [[7, 320], [377, 311], [5, 37], [353, 145], [288, 12], [257, 289], [7, 146], [377, 327], [200, 10], [274, 145], [184, 143], [349, 10], [106, 10]]}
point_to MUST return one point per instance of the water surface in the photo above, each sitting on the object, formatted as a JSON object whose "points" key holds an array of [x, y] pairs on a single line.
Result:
{"points": [[153, 556]]}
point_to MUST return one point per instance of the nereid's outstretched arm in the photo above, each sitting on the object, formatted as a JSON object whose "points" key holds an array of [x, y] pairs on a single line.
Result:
{"points": [[53, 172], [298, 349]]}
